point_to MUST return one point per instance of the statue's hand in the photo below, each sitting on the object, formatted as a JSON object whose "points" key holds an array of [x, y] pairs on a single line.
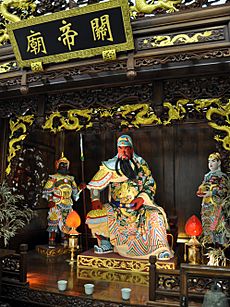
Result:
{"points": [[82, 186], [137, 202], [96, 204], [51, 204]]}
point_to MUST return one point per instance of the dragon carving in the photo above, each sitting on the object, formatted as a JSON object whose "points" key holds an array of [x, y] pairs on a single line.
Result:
{"points": [[224, 111], [141, 6], [144, 117], [71, 122], [21, 124], [175, 111], [166, 40], [6, 7]]}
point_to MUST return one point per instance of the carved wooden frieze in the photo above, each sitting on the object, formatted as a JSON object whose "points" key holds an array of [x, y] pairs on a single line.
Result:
{"points": [[182, 38], [181, 57], [25, 294], [18, 106], [103, 97], [195, 88]]}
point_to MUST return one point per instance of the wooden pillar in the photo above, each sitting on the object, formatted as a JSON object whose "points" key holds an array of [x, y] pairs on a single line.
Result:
{"points": [[152, 278], [23, 263]]}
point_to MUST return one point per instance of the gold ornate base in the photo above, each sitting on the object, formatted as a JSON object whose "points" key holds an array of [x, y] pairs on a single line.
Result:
{"points": [[113, 276], [55, 251], [115, 262]]}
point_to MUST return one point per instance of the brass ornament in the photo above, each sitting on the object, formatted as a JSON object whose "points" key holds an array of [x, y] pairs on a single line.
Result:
{"points": [[20, 124], [109, 55], [37, 67]]}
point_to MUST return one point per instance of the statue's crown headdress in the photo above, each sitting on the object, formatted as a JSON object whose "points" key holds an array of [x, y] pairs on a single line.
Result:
{"points": [[63, 159], [215, 155]]}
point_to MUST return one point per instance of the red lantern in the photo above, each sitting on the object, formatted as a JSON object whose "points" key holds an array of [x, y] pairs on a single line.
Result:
{"points": [[193, 226]]}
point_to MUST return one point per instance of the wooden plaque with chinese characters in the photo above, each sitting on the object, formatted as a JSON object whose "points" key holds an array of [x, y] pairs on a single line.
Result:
{"points": [[77, 33]]}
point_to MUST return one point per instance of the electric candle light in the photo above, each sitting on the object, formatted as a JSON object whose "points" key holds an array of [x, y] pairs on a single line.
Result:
{"points": [[73, 221], [193, 228]]}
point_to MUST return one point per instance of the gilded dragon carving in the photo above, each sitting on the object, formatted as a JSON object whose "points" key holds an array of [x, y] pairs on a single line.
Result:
{"points": [[141, 6], [200, 104], [71, 122], [224, 111], [6, 7], [144, 117], [20, 124], [225, 140], [166, 40], [175, 111]]}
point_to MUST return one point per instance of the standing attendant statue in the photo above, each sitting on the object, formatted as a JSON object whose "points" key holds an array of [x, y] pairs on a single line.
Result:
{"points": [[212, 191], [130, 224], [60, 190]]}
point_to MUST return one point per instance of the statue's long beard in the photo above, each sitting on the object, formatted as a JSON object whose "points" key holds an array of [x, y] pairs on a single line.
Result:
{"points": [[126, 168]]}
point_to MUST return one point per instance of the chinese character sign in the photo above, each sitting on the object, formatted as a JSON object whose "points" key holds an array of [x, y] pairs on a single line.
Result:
{"points": [[69, 34], [101, 28], [36, 43]]}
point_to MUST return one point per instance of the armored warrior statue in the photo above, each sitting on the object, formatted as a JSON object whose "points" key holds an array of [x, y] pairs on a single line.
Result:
{"points": [[130, 224], [60, 190]]}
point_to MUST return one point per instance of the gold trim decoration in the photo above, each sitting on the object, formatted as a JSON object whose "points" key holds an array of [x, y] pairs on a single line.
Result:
{"points": [[116, 264], [166, 40], [109, 55], [21, 123], [7, 67], [128, 45], [37, 67], [121, 264], [44, 250], [113, 276]]}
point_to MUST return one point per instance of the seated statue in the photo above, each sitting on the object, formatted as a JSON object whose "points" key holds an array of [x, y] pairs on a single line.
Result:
{"points": [[130, 224], [213, 190]]}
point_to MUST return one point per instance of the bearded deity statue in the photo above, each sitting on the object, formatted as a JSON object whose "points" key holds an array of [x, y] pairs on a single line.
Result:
{"points": [[60, 190], [130, 224], [213, 191]]}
